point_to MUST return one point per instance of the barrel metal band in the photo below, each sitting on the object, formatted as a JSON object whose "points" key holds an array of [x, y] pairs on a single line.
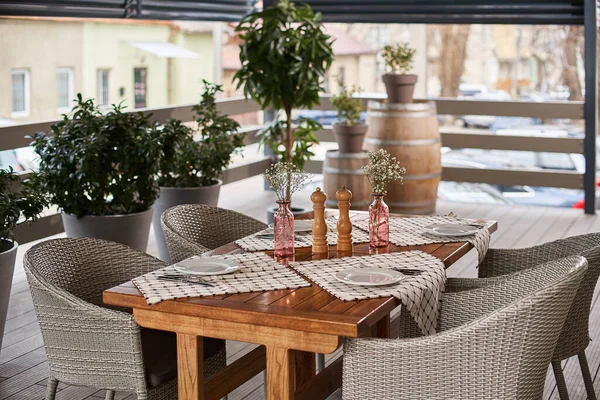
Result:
{"points": [[420, 114], [333, 203], [415, 106], [343, 171], [393, 142], [421, 177]]}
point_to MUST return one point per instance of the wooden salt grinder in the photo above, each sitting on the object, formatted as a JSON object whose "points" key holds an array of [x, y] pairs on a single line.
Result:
{"points": [[319, 226], [344, 226]]}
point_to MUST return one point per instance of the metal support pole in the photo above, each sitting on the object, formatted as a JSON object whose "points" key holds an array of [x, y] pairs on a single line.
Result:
{"points": [[269, 116], [591, 106]]}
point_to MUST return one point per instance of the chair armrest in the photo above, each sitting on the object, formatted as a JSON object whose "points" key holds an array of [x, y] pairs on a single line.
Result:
{"points": [[179, 247], [461, 284]]}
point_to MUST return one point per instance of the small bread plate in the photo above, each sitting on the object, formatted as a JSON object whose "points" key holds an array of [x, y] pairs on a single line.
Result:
{"points": [[369, 276], [301, 225], [452, 229], [207, 266]]}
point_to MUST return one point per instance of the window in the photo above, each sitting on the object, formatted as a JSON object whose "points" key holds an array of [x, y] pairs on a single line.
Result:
{"points": [[102, 79], [20, 92], [340, 76], [64, 82], [139, 87]]}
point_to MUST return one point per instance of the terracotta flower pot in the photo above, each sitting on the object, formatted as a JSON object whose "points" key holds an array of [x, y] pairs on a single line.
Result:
{"points": [[350, 137], [399, 88]]}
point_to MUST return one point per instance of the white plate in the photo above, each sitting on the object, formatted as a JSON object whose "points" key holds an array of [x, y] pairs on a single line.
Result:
{"points": [[301, 225], [207, 266], [452, 229], [369, 276]]}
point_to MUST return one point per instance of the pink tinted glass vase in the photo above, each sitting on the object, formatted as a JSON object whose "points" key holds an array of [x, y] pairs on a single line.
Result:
{"points": [[379, 215], [284, 230]]}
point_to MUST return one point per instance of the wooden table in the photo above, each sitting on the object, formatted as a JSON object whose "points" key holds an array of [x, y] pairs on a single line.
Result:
{"points": [[291, 324]]}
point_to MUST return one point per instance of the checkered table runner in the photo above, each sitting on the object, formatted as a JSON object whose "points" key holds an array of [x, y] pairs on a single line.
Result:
{"points": [[253, 243], [419, 293], [410, 232], [258, 272]]}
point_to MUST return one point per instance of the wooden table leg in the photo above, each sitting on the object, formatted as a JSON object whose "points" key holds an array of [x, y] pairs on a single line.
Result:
{"points": [[305, 368], [383, 327], [281, 371], [190, 367]]}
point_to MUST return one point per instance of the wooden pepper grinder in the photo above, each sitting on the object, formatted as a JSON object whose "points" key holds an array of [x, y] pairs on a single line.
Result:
{"points": [[344, 226], [319, 226]]}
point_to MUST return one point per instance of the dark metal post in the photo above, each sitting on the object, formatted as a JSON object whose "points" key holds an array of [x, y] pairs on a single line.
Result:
{"points": [[269, 116], [591, 106]]}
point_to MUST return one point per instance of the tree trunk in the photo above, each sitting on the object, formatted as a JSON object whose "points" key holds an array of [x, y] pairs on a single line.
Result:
{"points": [[570, 76], [452, 57]]}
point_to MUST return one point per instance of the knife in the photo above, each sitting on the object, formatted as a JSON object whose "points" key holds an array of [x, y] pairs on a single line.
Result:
{"points": [[179, 278]]}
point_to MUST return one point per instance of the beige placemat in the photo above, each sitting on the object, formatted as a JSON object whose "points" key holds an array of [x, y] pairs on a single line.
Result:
{"points": [[258, 272], [419, 293]]}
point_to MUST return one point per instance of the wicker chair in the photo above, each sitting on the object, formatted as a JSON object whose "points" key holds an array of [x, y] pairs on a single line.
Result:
{"points": [[89, 344], [502, 354], [574, 338], [193, 229]]}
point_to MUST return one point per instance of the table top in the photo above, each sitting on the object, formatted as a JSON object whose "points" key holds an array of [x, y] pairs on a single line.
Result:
{"points": [[309, 309]]}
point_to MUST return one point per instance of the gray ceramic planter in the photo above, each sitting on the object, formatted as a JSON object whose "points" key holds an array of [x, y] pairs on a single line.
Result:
{"points": [[7, 268], [129, 229], [171, 197]]}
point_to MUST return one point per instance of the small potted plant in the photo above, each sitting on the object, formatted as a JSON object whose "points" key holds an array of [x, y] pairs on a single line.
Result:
{"points": [[285, 56], [190, 169], [381, 170], [100, 170], [399, 84], [349, 132], [16, 206], [285, 179]]}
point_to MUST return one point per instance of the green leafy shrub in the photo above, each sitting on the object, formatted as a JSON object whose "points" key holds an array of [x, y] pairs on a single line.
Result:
{"points": [[347, 106], [285, 56], [399, 58], [26, 203], [189, 163], [94, 164]]}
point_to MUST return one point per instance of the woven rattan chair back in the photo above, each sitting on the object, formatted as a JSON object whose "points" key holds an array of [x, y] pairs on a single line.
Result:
{"points": [[193, 229], [88, 344], [501, 355]]}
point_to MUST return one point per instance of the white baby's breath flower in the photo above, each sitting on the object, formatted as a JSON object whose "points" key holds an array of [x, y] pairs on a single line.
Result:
{"points": [[285, 179], [382, 169]]}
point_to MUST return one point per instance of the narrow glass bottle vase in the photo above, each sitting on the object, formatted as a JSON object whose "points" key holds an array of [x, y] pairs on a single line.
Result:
{"points": [[284, 230], [379, 215]]}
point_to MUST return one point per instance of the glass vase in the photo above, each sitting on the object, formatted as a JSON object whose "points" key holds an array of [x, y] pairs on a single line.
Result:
{"points": [[379, 227], [283, 230]]}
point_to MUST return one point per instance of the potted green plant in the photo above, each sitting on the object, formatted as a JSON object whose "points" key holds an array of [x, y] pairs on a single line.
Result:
{"points": [[349, 132], [285, 55], [399, 84], [16, 206], [101, 171], [190, 169]]}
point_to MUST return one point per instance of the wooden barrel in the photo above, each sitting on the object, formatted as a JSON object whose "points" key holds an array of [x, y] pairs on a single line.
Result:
{"points": [[410, 133], [346, 169]]}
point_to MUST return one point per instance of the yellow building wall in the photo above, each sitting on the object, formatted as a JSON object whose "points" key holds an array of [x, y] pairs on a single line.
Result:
{"points": [[40, 47], [188, 73]]}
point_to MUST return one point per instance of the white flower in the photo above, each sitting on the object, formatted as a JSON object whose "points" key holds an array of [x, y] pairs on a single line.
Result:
{"points": [[382, 169], [285, 179]]}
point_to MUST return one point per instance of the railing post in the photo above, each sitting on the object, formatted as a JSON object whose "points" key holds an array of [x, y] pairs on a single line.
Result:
{"points": [[591, 105], [269, 116]]}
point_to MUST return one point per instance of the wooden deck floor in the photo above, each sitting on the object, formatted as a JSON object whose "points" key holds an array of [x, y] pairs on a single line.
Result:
{"points": [[23, 365]]}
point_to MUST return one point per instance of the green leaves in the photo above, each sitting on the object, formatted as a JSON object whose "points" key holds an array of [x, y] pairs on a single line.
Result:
{"points": [[27, 203], [186, 162], [96, 164], [284, 57], [347, 106], [398, 58]]}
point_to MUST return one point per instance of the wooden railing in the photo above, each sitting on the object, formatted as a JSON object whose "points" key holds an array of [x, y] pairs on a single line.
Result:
{"points": [[14, 137]]}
